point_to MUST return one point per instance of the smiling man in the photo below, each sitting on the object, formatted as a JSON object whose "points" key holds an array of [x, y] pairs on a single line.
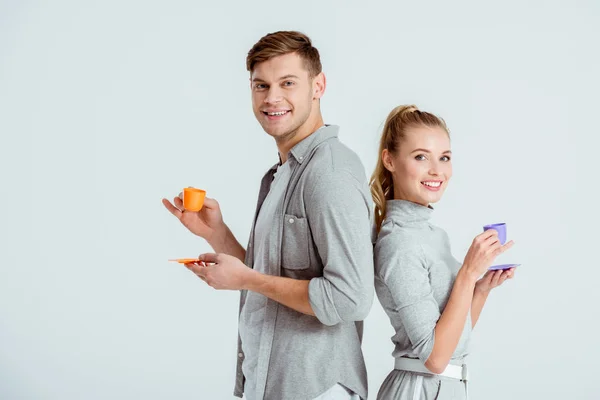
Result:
{"points": [[306, 276]]}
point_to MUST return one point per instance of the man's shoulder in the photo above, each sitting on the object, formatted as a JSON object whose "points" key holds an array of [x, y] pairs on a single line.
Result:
{"points": [[334, 159]]}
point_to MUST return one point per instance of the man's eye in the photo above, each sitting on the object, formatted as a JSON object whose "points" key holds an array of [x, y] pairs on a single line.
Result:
{"points": [[288, 83]]}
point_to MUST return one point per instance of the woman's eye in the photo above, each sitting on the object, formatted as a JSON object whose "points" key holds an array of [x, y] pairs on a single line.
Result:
{"points": [[420, 157], [445, 158]]}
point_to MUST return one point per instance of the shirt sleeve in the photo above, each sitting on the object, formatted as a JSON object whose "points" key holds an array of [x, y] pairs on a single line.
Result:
{"points": [[339, 212], [402, 270]]}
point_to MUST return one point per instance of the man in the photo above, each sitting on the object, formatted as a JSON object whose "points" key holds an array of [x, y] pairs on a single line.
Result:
{"points": [[307, 274]]}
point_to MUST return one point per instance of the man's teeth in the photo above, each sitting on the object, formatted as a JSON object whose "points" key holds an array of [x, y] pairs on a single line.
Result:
{"points": [[277, 114], [432, 184]]}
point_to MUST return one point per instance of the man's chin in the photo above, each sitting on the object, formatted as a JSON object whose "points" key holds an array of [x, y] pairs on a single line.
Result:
{"points": [[279, 132]]}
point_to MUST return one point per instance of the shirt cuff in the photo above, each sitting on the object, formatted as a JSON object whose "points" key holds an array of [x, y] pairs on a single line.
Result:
{"points": [[321, 301]]}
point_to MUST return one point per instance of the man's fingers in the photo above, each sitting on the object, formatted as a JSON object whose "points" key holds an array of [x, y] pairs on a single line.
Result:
{"points": [[178, 203], [210, 203], [209, 258], [197, 269], [172, 209]]}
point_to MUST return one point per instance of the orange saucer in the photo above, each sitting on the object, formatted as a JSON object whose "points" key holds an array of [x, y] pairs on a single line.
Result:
{"points": [[185, 260]]}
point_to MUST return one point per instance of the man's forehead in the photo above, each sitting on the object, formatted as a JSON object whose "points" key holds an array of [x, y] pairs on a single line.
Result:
{"points": [[280, 67]]}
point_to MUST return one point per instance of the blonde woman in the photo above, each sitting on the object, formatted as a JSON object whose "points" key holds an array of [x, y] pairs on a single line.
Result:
{"points": [[433, 301]]}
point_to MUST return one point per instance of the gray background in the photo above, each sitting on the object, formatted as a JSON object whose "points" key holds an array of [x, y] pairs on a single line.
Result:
{"points": [[106, 107]]}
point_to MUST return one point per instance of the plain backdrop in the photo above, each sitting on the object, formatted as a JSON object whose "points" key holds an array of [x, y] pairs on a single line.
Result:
{"points": [[108, 106]]}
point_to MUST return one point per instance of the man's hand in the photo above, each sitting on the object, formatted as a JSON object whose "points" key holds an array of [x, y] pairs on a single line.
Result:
{"points": [[225, 272], [206, 223], [222, 271]]}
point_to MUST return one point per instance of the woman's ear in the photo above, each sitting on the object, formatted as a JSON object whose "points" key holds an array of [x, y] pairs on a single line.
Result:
{"points": [[386, 157]]}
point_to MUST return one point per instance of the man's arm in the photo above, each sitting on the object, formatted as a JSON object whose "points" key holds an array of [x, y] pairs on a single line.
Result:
{"points": [[292, 293], [338, 212], [338, 215], [208, 224], [225, 242], [223, 271]]}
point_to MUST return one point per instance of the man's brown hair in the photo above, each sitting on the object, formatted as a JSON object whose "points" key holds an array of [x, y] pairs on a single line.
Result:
{"points": [[285, 42]]}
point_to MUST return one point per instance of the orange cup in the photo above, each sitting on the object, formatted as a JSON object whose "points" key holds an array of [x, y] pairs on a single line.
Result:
{"points": [[193, 199]]}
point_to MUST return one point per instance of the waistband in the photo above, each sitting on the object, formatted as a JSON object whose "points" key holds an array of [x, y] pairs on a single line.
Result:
{"points": [[459, 372]]}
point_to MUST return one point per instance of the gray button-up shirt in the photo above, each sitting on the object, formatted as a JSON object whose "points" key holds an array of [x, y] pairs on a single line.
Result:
{"points": [[252, 316], [320, 232]]}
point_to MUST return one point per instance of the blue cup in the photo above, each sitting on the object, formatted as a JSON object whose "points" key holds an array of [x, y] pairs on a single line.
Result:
{"points": [[500, 228]]}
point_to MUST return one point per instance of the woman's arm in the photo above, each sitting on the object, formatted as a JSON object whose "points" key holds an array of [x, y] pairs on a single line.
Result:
{"points": [[452, 322], [484, 249], [483, 287]]}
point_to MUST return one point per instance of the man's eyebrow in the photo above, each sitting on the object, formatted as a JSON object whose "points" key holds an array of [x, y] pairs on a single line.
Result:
{"points": [[288, 76]]}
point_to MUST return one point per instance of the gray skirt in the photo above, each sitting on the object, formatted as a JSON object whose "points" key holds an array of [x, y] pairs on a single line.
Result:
{"points": [[404, 385]]}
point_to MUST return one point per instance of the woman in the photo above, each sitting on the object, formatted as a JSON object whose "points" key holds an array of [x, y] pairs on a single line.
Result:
{"points": [[432, 300]]}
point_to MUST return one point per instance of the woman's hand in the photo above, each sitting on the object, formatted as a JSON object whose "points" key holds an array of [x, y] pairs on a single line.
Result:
{"points": [[482, 253], [493, 279]]}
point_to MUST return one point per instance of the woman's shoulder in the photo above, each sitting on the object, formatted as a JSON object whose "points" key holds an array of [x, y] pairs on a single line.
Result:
{"points": [[399, 237]]}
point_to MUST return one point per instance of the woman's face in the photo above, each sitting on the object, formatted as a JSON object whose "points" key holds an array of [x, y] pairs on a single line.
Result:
{"points": [[421, 167]]}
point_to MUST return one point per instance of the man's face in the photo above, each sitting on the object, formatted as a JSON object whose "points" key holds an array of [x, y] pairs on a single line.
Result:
{"points": [[283, 95]]}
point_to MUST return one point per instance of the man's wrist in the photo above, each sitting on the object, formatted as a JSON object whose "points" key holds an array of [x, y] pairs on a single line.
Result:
{"points": [[218, 239], [254, 281]]}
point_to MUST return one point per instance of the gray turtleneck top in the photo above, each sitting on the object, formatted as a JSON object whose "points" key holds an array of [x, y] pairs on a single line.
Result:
{"points": [[414, 275]]}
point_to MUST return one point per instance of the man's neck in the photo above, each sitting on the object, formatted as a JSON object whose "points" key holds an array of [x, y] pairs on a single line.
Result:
{"points": [[303, 132]]}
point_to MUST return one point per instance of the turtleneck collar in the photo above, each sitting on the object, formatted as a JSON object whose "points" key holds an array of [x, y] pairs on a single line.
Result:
{"points": [[407, 211]]}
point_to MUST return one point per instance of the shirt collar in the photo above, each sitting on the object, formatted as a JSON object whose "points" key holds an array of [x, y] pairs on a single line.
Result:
{"points": [[301, 150], [407, 211]]}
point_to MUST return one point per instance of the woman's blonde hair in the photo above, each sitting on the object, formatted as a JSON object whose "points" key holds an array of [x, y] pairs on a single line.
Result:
{"points": [[398, 121]]}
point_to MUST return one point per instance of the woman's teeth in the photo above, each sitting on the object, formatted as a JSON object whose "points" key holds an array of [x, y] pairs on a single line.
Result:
{"points": [[432, 184]]}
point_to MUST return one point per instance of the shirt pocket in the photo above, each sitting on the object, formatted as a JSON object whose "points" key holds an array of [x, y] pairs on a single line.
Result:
{"points": [[294, 252]]}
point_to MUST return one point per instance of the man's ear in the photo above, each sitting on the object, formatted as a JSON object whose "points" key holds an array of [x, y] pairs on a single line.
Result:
{"points": [[319, 85]]}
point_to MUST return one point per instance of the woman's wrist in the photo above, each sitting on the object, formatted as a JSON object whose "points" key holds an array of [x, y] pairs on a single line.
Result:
{"points": [[466, 275], [480, 290]]}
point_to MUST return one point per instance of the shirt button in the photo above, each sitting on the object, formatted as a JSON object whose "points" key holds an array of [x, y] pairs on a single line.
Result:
{"points": [[240, 355], [291, 220], [301, 158]]}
